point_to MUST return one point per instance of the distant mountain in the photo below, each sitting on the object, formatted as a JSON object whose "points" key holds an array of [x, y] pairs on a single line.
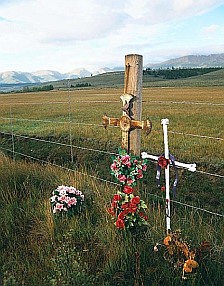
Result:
{"points": [[41, 76], [192, 61]]}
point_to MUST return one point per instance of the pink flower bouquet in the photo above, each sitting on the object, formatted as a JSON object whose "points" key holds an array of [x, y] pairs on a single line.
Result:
{"points": [[66, 200], [127, 169]]}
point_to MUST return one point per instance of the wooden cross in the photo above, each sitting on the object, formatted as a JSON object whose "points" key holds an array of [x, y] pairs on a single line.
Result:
{"points": [[190, 167], [130, 122]]}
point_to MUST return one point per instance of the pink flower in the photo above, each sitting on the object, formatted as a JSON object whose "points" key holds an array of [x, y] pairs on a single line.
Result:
{"points": [[114, 167], [126, 160], [130, 181], [63, 198], [58, 207], [144, 167], [121, 178], [72, 202], [140, 175]]}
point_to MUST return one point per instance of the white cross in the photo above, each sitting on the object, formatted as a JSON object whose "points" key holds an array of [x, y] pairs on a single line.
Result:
{"points": [[190, 167]]}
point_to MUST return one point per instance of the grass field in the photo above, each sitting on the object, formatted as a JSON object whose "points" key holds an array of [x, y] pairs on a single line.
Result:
{"points": [[38, 249]]}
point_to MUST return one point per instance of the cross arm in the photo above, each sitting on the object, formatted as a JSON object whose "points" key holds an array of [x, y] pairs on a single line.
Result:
{"points": [[189, 167], [145, 125], [110, 121]]}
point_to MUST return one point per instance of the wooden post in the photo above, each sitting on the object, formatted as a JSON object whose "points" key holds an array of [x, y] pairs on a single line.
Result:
{"points": [[130, 122], [133, 86]]}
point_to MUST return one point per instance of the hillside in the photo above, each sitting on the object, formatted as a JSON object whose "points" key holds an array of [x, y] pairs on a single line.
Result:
{"points": [[195, 61], [116, 79]]}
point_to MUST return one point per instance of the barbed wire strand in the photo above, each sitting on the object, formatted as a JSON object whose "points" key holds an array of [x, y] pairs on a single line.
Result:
{"points": [[187, 205], [106, 181], [59, 166], [100, 125], [60, 144], [116, 101], [93, 150]]}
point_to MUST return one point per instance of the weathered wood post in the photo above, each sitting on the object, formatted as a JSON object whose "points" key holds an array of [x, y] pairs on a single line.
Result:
{"points": [[133, 86], [130, 122]]}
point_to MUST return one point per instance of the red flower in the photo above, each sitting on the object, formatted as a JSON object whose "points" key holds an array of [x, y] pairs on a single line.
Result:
{"points": [[117, 197], [125, 206], [132, 208], [111, 211], [114, 204], [146, 217], [163, 162], [122, 215], [135, 200], [120, 224], [163, 188], [128, 190]]}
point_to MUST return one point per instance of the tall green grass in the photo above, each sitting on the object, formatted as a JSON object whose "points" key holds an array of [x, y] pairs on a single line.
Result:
{"points": [[39, 249], [87, 250]]}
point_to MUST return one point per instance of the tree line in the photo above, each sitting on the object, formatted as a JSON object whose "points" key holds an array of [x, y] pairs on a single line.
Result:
{"points": [[177, 73]]}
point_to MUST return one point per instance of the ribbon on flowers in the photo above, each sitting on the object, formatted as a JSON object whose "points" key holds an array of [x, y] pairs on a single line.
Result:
{"points": [[162, 164]]}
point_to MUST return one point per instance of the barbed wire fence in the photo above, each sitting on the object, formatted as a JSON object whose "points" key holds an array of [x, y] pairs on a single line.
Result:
{"points": [[11, 119]]}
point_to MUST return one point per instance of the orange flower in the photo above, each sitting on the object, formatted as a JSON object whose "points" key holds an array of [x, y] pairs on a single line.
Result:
{"points": [[189, 265], [167, 240]]}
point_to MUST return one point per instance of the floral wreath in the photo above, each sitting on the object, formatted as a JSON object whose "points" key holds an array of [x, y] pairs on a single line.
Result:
{"points": [[128, 169]]}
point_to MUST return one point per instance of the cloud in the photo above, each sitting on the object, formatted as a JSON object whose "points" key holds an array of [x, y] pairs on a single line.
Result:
{"points": [[85, 31]]}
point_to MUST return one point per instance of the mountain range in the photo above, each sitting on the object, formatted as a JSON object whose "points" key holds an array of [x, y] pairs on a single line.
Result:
{"points": [[41, 76], [192, 61]]}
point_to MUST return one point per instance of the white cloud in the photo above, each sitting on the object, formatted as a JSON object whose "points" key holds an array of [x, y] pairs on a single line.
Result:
{"points": [[80, 32]]}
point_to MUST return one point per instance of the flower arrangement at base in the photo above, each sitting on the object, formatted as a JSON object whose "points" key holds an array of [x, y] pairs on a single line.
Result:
{"points": [[128, 210], [127, 169], [66, 199]]}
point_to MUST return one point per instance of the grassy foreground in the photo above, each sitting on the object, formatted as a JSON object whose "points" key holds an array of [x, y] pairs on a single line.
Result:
{"points": [[38, 249]]}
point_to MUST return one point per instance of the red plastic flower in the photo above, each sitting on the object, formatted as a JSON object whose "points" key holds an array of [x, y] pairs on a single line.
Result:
{"points": [[163, 188], [117, 197], [125, 206], [135, 200], [120, 224], [128, 190], [163, 162], [111, 211]]}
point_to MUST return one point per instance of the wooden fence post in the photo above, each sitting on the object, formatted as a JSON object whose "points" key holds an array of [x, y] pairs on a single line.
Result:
{"points": [[133, 86]]}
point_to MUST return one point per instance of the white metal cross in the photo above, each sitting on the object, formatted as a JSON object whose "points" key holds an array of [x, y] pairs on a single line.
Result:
{"points": [[190, 167]]}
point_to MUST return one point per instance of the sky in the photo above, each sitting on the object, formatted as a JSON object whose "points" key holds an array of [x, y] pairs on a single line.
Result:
{"points": [[64, 35]]}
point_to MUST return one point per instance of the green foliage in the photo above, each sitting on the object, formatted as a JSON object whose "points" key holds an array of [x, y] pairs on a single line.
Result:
{"points": [[86, 84], [178, 73], [37, 88]]}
